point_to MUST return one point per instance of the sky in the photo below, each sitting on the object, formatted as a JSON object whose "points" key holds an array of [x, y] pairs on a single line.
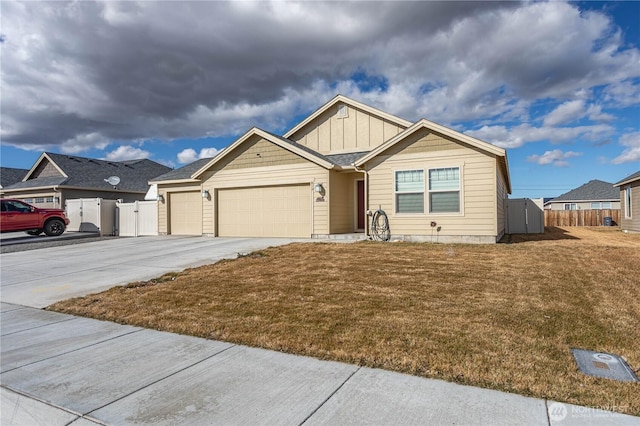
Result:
{"points": [[557, 84]]}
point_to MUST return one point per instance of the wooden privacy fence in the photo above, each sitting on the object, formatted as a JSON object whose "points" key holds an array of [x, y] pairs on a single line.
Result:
{"points": [[580, 217]]}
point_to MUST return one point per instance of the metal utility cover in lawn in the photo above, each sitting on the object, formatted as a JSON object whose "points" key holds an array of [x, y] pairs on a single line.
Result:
{"points": [[600, 364]]}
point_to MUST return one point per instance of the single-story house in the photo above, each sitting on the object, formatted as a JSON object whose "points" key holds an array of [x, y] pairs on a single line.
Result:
{"points": [[55, 178], [328, 173], [593, 195], [9, 176], [629, 190]]}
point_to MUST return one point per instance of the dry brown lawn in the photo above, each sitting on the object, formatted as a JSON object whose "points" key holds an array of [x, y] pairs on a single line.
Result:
{"points": [[498, 316]]}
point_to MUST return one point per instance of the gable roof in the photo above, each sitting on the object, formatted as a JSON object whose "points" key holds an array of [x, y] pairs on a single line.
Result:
{"points": [[500, 153], [631, 178], [282, 142], [9, 176], [594, 190], [183, 173], [340, 98], [89, 173]]}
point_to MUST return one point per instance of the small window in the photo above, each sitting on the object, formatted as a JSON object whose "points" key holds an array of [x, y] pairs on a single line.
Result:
{"points": [[39, 200], [409, 191], [343, 111], [28, 200], [570, 206], [595, 206], [627, 202], [606, 204], [444, 190]]}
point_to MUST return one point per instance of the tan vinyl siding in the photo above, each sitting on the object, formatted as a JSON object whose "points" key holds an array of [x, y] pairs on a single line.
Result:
{"points": [[359, 131], [478, 215], [632, 223], [343, 202], [501, 196], [307, 173], [258, 152]]}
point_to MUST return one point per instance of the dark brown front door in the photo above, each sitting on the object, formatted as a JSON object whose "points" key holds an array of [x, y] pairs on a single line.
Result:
{"points": [[360, 204]]}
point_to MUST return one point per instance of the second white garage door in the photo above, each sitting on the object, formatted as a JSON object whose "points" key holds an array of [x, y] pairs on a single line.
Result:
{"points": [[272, 211]]}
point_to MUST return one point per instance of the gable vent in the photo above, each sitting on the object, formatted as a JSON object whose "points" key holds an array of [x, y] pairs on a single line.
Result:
{"points": [[343, 111]]}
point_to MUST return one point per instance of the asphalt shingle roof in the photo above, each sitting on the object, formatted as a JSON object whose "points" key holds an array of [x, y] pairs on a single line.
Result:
{"points": [[346, 159], [594, 190], [91, 173], [9, 176], [184, 172], [631, 177]]}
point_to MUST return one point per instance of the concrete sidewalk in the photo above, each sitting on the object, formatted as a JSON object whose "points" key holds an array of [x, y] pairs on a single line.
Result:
{"points": [[63, 370]]}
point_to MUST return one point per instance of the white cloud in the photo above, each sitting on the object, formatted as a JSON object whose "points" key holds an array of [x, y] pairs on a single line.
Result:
{"points": [[632, 152], [519, 135], [84, 142], [189, 155], [565, 113], [127, 152], [555, 158]]}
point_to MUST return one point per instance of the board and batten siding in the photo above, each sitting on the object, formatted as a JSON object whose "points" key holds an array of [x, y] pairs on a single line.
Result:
{"points": [[358, 131], [477, 221]]}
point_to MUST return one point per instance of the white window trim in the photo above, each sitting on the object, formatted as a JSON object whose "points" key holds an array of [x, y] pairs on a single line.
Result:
{"points": [[424, 192], [427, 201], [564, 207]]}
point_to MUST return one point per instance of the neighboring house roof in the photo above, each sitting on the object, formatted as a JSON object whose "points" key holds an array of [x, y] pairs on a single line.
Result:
{"points": [[340, 98], [89, 173], [182, 173], [9, 176], [631, 178], [500, 153], [594, 190]]}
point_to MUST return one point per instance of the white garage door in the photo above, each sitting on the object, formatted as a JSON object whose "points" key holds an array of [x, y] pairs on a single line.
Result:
{"points": [[273, 211], [185, 211]]}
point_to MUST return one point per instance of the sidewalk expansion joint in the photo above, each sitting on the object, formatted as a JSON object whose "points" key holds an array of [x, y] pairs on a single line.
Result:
{"points": [[159, 380], [330, 396]]}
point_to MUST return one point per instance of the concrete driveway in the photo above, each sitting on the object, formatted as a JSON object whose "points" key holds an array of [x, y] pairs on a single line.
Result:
{"points": [[38, 278]]}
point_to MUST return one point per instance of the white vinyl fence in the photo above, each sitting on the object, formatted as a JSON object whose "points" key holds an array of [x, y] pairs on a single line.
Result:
{"points": [[91, 215], [138, 218]]}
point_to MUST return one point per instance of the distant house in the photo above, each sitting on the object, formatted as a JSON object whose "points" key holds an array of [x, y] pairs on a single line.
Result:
{"points": [[327, 174], [593, 195], [55, 178], [9, 176], [629, 192]]}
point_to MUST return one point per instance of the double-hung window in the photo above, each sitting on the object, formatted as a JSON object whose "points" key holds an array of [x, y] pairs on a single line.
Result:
{"points": [[570, 206], [409, 191], [444, 190]]}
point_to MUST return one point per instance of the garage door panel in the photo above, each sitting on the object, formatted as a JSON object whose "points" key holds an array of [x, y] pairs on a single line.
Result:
{"points": [[274, 211], [185, 211]]}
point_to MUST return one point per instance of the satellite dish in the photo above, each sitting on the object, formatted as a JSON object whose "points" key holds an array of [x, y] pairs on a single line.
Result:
{"points": [[113, 180]]}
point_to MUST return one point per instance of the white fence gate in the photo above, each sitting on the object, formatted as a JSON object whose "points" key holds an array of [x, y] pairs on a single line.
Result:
{"points": [[91, 215], [138, 218], [524, 216]]}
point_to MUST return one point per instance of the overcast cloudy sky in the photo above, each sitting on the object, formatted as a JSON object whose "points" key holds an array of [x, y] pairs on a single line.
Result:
{"points": [[557, 84]]}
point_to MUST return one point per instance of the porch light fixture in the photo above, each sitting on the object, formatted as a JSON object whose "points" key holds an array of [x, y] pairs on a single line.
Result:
{"points": [[160, 198], [318, 188], [205, 194]]}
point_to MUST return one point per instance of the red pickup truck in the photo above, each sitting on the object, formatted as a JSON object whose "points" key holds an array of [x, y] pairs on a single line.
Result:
{"points": [[17, 215]]}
